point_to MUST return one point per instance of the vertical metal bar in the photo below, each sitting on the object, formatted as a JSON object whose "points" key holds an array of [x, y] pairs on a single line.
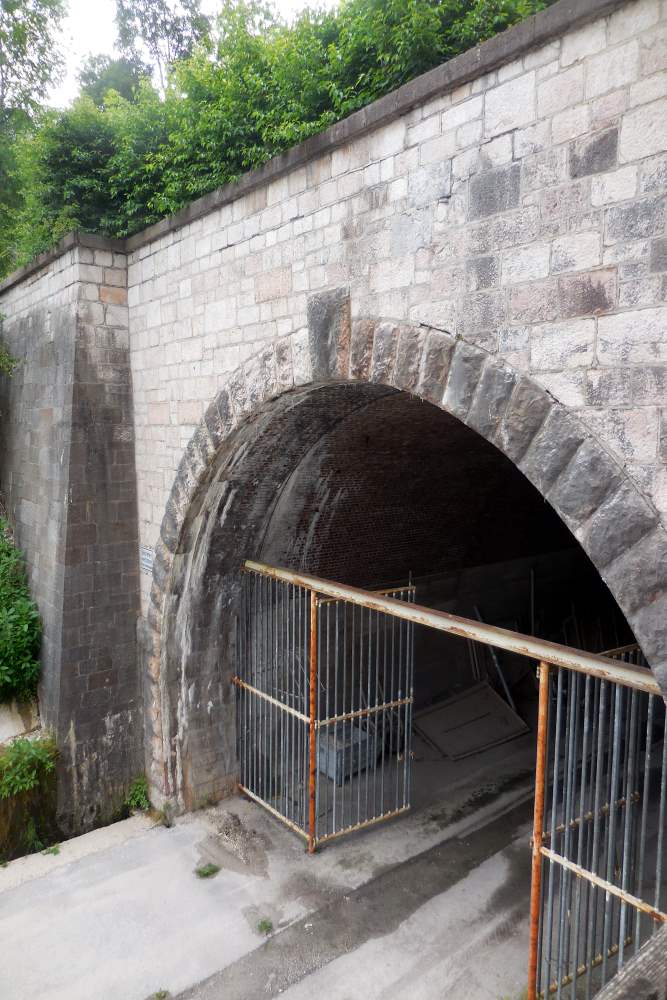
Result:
{"points": [[336, 655], [629, 789], [611, 826], [580, 832], [642, 833], [312, 713], [661, 818], [570, 763], [599, 780], [538, 819], [552, 832]]}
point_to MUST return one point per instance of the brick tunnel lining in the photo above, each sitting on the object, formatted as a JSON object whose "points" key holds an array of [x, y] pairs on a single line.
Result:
{"points": [[400, 486]]}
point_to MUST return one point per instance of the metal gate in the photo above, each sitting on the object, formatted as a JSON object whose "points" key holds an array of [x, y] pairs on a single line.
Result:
{"points": [[324, 707], [598, 839], [324, 723]]}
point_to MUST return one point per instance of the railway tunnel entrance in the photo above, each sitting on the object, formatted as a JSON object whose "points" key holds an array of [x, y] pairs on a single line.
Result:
{"points": [[374, 487]]}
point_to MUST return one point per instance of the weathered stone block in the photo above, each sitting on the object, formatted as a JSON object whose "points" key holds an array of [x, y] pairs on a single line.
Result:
{"points": [[525, 263], [563, 345], [482, 311], [643, 132], [552, 448], [534, 303], [560, 91], [489, 402], [594, 154], [510, 105], [588, 293], [588, 478], [329, 330], [464, 373], [636, 337], [620, 185], [525, 414], [494, 191], [659, 255], [409, 357], [637, 220], [505, 231], [482, 273], [361, 349], [620, 521], [385, 345], [638, 577], [575, 252], [544, 169], [612, 69], [428, 184], [435, 363]]}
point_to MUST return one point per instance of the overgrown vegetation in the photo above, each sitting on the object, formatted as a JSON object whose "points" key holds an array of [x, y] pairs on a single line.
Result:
{"points": [[207, 871], [24, 763], [234, 95], [20, 627], [7, 362], [137, 797]]}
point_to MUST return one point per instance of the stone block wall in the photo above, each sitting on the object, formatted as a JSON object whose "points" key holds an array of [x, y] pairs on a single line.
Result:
{"points": [[68, 475], [522, 209]]}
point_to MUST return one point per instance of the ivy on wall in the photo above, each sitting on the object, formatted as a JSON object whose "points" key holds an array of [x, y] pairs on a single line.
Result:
{"points": [[20, 626]]}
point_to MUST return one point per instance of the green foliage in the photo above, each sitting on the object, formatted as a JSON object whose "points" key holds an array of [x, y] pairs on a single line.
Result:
{"points": [[265, 926], [7, 362], [100, 74], [20, 628], [252, 87], [29, 58], [53, 850], [164, 31], [207, 871], [137, 797], [23, 764]]}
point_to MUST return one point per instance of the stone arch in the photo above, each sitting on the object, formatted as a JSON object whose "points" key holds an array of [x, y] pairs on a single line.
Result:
{"points": [[615, 524]]}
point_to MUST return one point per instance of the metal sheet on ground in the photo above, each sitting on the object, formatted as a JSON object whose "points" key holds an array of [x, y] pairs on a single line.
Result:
{"points": [[470, 722]]}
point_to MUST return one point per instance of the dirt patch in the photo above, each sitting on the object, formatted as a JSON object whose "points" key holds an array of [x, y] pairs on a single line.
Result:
{"points": [[234, 846]]}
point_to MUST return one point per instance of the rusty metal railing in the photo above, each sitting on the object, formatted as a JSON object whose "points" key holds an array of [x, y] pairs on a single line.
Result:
{"points": [[324, 707], [601, 770], [598, 837]]}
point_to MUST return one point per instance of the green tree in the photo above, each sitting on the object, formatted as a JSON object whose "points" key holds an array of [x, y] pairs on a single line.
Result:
{"points": [[29, 57], [164, 30], [251, 88], [101, 74]]}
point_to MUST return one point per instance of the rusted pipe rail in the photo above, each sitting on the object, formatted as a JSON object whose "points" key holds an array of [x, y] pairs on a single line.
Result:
{"points": [[540, 650]]}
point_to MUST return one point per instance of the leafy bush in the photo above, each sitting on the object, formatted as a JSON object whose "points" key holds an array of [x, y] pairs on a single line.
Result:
{"points": [[7, 362], [253, 88], [20, 627], [137, 797], [23, 764]]}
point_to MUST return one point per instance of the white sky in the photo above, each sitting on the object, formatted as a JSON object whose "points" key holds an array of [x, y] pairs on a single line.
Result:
{"points": [[90, 29]]}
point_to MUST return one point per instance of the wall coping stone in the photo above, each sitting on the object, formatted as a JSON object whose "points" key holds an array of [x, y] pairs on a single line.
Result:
{"points": [[556, 20]]}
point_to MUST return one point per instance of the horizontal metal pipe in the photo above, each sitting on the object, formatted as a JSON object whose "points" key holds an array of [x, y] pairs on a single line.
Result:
{"points": [[362, 713], [602, 883], [364, 824], [274, 812], [590, 816], [626, 674], [584, 967], [387, 592], [273, 701]]}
